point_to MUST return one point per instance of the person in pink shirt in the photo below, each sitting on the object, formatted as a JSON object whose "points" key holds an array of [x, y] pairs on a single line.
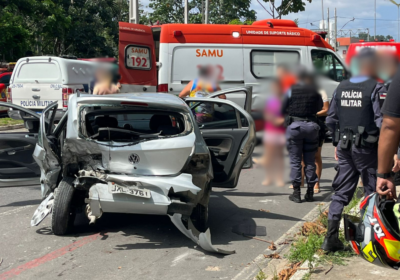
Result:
{"points": [[274, 136]]}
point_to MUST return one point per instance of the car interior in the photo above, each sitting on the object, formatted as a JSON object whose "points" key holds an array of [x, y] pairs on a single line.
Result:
{"points": [[126, 125]]}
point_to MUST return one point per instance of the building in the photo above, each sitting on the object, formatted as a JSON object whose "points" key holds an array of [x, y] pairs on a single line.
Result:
{"points": [[343, 45]]}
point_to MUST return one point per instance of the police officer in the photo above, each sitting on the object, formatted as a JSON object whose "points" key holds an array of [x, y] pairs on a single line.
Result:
{"points": [[387, 67], [300, 108], [354, 116]]}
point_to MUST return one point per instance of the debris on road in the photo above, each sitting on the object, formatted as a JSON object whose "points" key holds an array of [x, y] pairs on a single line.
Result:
{"points": [[1, 261], [263, 210], [212, 268], [272, 247], [272, 256], [286, 273]]}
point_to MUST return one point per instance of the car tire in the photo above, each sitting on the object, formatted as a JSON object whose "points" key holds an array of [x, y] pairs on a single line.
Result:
{"points": [[200, 217], [63, 216]]}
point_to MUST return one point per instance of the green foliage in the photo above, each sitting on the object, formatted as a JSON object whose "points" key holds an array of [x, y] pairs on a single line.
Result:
{"points": [[305, 248], [220, 11], [364, 36], [239, 22], [57, 27], [261, 275], [286, 7]]}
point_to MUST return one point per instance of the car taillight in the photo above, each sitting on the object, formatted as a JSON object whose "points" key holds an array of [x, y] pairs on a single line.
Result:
{"points": [[162, 88], [65, 95], [9, 95]]}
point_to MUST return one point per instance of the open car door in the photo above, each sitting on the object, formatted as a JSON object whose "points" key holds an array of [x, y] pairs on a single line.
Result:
{"points": [[44, 154], [137, 58], [229, 132], [17, 166]]}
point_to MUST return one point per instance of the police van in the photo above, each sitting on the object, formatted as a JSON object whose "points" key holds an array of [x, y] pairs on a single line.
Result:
{"points": [[40, 80], [166, 57]]}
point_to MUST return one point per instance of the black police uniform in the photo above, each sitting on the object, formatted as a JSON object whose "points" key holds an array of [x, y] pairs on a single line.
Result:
{"points": [[354, 116], [301, 106]]}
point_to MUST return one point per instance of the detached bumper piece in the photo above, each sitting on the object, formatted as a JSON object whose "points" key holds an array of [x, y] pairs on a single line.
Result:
{"points": [[203, 239], [43, 210]]}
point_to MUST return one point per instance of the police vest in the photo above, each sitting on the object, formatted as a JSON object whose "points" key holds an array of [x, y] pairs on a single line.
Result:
{"points": [[304, 101], [355, 107]]}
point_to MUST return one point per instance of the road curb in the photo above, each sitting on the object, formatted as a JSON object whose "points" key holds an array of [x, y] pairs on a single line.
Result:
{"points": [[260, 262], [11, 127]]}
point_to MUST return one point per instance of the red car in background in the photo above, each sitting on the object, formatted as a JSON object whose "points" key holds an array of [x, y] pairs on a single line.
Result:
{"points": [[4, 83]]}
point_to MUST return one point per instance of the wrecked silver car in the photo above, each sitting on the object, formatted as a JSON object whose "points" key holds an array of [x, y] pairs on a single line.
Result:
{"points": [[144, 153]]}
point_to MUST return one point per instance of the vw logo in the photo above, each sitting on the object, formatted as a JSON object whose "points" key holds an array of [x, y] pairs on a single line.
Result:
{"points": [[134, 158]]}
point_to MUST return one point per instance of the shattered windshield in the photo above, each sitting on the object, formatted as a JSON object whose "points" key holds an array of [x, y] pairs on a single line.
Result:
{"points": [[121, 124]]}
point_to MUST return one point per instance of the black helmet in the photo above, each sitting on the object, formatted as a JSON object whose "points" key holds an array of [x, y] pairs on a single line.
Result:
{"points": [[375, 236]]}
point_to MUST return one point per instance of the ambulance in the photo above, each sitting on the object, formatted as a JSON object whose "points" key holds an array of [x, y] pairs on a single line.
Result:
{"points": [[390, 46], [167, 57]]}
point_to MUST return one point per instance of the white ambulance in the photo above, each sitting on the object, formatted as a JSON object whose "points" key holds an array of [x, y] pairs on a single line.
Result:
{"points": [[165, 58]]}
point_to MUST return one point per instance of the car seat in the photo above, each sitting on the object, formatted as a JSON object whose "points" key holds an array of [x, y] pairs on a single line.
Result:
{"points": [[162, 123], [105, 121]]}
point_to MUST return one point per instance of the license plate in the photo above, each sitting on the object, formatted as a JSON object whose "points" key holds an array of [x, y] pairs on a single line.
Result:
{"points": [[114, 188]]}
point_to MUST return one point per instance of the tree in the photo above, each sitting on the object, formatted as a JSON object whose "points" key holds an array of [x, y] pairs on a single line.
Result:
{"points": [[286, 7], [220, 11], [379, 38]]}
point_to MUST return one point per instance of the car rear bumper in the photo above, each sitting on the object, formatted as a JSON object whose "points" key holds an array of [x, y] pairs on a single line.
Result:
{"points": [[101, 200], [18, 115]]}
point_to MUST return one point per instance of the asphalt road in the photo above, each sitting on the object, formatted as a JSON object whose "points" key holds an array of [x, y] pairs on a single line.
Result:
{"points": [[149, 247]]}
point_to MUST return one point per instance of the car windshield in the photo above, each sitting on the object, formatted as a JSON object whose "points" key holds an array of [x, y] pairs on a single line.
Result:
{"points": [[121, 124]]}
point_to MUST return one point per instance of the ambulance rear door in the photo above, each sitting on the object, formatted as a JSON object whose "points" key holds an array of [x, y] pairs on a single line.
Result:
{"points": [[137, 58]]}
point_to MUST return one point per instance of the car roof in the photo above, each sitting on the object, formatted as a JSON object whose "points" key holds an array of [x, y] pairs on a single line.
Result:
{"points": [[145, 97]]}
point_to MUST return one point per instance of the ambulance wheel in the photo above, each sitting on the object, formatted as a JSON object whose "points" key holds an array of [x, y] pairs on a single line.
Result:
{"points": [[200, 217], [63, 216]]}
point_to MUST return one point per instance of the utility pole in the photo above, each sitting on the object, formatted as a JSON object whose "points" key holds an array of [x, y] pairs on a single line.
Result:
{"points": [[335, 30], [375, 22], [323, 21], [206, 12], [134, 11], [329, 33], [186, 11], [398, 27]]}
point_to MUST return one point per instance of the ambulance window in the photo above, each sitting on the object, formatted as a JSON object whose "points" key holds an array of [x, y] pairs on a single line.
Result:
{"points": [[264, 63], [327, 64]]}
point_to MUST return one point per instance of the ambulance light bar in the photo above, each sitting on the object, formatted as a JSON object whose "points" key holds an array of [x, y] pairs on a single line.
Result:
{"points": [[316, 38]]}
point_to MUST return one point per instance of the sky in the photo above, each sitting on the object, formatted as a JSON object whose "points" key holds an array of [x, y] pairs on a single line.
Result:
{"points": [[361, 10]]}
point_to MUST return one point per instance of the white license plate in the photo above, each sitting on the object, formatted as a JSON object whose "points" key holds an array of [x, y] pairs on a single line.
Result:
{"points": [[114, 188]]}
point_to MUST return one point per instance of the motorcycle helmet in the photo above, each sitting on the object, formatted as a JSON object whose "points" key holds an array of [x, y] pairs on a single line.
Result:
{"points": [[376, 235]]}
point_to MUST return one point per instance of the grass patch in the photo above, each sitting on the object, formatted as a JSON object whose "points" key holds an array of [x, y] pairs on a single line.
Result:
{"points": [[8, 121], [307, 246]]}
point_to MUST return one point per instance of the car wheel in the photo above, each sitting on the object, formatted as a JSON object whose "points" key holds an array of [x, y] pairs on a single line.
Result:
{"points": [[63, 216], [200, 217]]}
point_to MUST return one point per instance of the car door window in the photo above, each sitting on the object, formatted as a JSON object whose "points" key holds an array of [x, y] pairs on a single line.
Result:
{"points": [[212, 115], [327, 64]]}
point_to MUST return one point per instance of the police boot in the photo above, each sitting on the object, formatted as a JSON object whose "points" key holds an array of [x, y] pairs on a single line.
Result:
{"points": [[295, 197], [332, 242], [309, 196]]}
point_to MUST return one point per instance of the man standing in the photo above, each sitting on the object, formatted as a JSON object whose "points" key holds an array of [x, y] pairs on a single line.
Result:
{"points": [[355, 118]]}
